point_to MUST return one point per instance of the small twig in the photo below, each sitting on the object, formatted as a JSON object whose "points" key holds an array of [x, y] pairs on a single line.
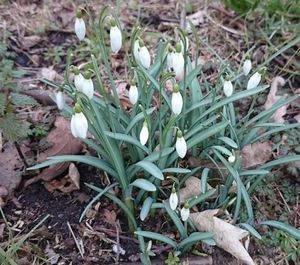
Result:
{"points": [[21, 153], [284, 201], [118, 242], [79, 245]]}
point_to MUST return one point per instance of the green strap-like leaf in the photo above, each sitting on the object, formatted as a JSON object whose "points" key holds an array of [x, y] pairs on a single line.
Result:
{"points": [[284, 227], [151, 169], [158, 237], [144, 184]]}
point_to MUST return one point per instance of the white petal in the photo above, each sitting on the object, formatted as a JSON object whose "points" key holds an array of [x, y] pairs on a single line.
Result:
{"points": [[60, 100], [173, 200], [228, 88], [80, 28], [133, 94], [136, 50], [181, 147], [170, 60], [144, 57], [254, 81], [79, 125], [247, 67], [187, 45], [178, 65], [115, 39], [176, 103], [144, 135], [88, 88], [231, 159], [78, 81], [185, 213]]}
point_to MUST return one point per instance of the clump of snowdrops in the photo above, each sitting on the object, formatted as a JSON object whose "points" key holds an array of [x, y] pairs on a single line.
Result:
{"points": [[144, 150]]}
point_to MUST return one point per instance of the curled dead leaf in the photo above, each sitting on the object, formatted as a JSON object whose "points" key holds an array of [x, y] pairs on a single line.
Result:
{"points": [[256, 154], [227, 236], [48, 73], [193, 187], [30, 41]]}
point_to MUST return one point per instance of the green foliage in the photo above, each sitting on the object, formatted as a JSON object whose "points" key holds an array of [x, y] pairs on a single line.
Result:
{"points": [[54, 55], [172, 259], [241, 6]]}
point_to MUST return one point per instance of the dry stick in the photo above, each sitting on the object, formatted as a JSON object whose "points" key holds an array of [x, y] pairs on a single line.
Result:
{"points": [[79, 245], [118, 242], [21, 154]]}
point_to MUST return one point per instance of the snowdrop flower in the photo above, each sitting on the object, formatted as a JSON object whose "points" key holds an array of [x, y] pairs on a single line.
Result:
{"points": [[79, 123], [133, 93], [185, 212], [255, 79], [79, 26], [170, 58], [144, 134], [181, 147], [87, 85], [176, 100], [78, 79], [231, 159], [227, 87], [144, 55], [136, 50], [247, 67], [60, 99], [178, 63], [186, 43], [173, 199], [115, 37]]}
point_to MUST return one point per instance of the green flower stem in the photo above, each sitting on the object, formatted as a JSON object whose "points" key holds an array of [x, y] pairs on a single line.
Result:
{"points": [[130, 205]]}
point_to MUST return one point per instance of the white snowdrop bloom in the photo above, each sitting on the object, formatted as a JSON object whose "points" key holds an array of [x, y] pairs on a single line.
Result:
{"points": [[79, 26], [144, 55], [178, 63], [60, 99], [247, 66], [136, 50], [176, 101], [187, 44], [88, 85], [144, 134], [254, 81], [173, 199], [227, 87], [133, 93], [79, 123], [118, 249], [115, 37], [231, 159], [78, 79], [170, 59], [181, 146], [185, 212]]}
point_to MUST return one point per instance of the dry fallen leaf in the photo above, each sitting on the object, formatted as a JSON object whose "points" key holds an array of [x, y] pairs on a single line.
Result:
{"points": [[48, 73], [30, 41], [227, 236], [63, 144], [192, 188], [110, 216], [273, 98], [256, 154]]}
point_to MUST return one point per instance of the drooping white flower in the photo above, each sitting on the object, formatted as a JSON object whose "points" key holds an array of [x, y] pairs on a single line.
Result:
{"points": [[136, 50], [173, 199], [231, 158], [115, 37], [254, 81], [176, 101], [79, 26], [79, 123], [187, 44], [247, 66], [227, 87], [88, 85], [170, 59], [144, 55], [181, 146], [133, 93], [178, 63], [60, 99], [144, 134], [185, 212], [78, 79]]}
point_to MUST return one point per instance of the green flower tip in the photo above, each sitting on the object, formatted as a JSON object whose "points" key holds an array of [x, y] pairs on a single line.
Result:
{"points": [[170, 49], [77, 108], [113, 22], [262, 70], [173, 190], [227, 78], [132, 82], [87, 74], [78, 14], [141, 43], [179, 134], [186, 205], [61, 89], [76, 70], [175, 88], [178, 47], [145, 124]]}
